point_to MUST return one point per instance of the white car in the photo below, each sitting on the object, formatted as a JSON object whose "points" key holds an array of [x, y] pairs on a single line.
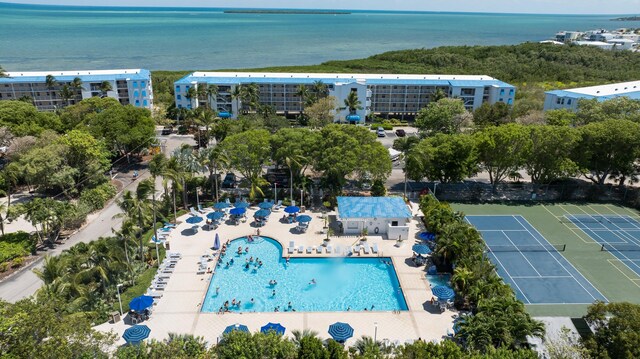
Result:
{"points": [[381, 132]]}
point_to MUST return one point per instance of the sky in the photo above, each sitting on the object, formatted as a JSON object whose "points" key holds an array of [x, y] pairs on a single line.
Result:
{"points": [[503, 6]]}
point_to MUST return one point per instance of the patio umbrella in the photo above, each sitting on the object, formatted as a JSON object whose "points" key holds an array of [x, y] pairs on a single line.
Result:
{"points": [[141, 303], [136, 333], [216, 243], [262, 213], [215, 215], [265, 205], [238, 327], [304, 218], [276, 327], [194, 220], [421, 249], [241, 204], [238, 211], [221, 205], [443, 292], [292, 209], [427, 236], [340, 331]]}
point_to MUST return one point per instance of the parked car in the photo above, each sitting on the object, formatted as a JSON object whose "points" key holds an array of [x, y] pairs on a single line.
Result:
{"points": [[167, 130], [230, 180], [381, 132], [400, 132]]}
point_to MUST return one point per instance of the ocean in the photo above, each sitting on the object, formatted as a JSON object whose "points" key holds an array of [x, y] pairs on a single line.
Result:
{"points": [[34, 37]]}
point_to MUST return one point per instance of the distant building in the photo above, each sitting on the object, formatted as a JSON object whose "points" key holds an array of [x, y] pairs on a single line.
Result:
{"points": [[569, 98], [598, 44], [383, 95], [379, 215], [621, 44], [131, 86]]}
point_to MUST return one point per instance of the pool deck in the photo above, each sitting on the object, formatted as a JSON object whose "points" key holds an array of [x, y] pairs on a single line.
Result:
{"points": [[178, 311]]}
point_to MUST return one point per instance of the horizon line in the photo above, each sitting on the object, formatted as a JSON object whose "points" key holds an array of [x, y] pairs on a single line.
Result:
{"points": [[304, 9]]}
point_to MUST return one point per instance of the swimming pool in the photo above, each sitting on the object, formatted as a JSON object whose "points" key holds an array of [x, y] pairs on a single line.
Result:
{"points": [[341, 284]]}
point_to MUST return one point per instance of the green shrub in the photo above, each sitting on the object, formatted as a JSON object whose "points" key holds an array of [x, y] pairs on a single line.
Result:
{"points": [[17, 262], [97, 197], [4, 266], [22, 238], [9, 251], [387, 126], [378, 189]]}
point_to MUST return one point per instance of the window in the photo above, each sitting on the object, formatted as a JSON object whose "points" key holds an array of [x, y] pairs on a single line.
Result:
{"points": [[144, 93], [394, 223], [135, 93], [501, 99], [137, 102], [511, 92], [558, 101], [353, 89], [569, 102], [179, 106], [141, 83], [144, 103], [179, 97], [135, 84], [501, 91], [178, 88]]}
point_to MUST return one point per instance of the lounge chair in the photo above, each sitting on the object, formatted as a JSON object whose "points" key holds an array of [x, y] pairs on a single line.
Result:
{"points": [[159, 286], [277, 206], [201, 270], [174, 255], [319, 249], [365, 247], [292, 247], [329, 249], [163, 276], [153, 294], [301, 249], [355, 249], [338, 249], [167, 270], [193, 212], [374, 248], [309, 249], [201, 210], [169, 225]]}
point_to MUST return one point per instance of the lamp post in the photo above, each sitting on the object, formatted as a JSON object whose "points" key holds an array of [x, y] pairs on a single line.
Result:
{"points": [[119, 300], [198, 197], [275, 192], [375, 332]]}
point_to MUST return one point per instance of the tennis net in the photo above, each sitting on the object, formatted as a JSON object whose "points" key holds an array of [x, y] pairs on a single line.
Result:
{"points": [[529, 248], [626, 247], [598, 219]]}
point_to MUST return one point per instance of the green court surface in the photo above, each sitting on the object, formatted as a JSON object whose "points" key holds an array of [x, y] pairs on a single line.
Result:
{"points": [[611, 276]]}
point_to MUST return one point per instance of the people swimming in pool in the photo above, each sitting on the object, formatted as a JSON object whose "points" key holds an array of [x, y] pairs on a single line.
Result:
{"points": [[231, 261], [249, 238], [251, 260], [273, 282], [246, 250], [313, 281], [273, 294], [240, 250]]}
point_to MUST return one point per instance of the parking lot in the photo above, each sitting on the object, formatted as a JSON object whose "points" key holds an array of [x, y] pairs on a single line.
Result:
{"points": [[391, 136]]}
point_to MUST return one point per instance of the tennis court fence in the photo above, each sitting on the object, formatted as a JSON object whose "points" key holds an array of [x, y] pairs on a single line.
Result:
{"points": [[528, 248]]}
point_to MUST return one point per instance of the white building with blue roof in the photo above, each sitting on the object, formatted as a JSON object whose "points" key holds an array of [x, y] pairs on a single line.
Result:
{"points": [[569, 98], [384, 95], [130, 86], [388, 216]]}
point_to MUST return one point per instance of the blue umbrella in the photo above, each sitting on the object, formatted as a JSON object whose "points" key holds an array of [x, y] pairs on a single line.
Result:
{"points": [[194, 220], [304, 218], [262, 213], [443, 292], [292, 209], [427, 236], [136, 333], [140, 303], [221, 205], [340, 331], [276, 327], [216, 243], [421, 249], [237, 211], [238, 327], [215, 215], [241, 204], [265, 205]]}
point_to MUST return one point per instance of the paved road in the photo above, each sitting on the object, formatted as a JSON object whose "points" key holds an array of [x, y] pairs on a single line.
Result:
{"points": [[26, 283]]}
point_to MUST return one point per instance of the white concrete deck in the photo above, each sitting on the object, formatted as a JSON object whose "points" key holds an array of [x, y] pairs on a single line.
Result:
{"points": [[178, 310]]}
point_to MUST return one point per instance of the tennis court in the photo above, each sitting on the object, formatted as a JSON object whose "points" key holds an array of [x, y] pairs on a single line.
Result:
{"points": [[534, 268], [618, 234]]}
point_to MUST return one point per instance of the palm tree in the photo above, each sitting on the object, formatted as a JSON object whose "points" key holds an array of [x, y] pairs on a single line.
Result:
{"points": [[299, 335], [187, 165], [320, 89], [367, 347], [251, 95], [303, 93], [156, 168], [352, 103], [405, 145], [236, 94], [50, 82], [172, 173], [211, 93], [136, 208], [66, 94], [105, 87], [214, 160], [204, 117], [76, 84], [291, 161]]}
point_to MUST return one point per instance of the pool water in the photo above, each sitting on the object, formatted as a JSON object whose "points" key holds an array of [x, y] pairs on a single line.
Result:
{"points": [[439, 279], [341, 284]]}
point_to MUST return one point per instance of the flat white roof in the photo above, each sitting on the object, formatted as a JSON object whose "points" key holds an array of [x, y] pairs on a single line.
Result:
{"points": [[593, 43], [605, 90], [298, 75], [74, 73]]}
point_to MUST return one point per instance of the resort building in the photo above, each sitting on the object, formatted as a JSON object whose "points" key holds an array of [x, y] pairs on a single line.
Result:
{"points": [[569, 98], [388, 216], [57, 89], [398, 96]]}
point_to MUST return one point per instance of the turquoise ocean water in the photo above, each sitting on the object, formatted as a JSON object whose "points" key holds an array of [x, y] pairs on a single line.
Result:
{"points": [[51, 37]]}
